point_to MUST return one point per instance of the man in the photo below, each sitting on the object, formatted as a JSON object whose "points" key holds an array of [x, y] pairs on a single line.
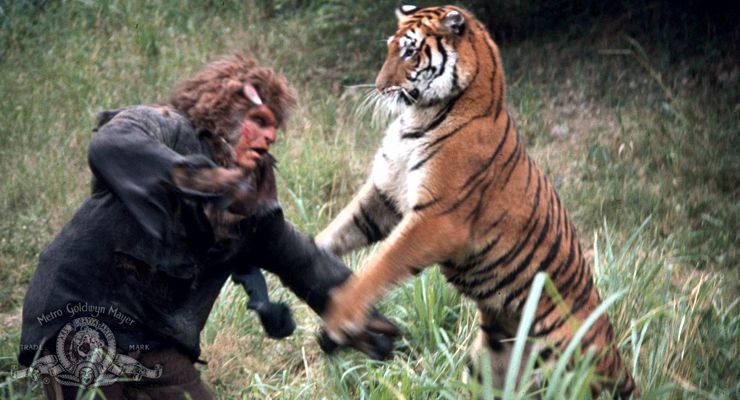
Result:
{"points": [[183, 196]]}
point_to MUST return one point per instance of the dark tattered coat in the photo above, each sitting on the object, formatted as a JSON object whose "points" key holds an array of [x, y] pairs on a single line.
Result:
{"points": [[139, 248]]}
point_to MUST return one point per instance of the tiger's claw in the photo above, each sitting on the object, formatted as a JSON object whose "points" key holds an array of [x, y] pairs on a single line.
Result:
{"points": [[375, 339]]}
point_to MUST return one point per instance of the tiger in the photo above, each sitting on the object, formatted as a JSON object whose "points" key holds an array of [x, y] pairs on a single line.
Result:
{"points": [[453, 185]]}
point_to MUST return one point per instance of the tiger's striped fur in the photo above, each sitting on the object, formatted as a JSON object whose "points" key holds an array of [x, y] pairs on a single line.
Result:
{"points": [[452, 184]]}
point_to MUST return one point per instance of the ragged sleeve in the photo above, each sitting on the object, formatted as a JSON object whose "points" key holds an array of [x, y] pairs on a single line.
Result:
{"points": [[132, 154], [277, 246]]}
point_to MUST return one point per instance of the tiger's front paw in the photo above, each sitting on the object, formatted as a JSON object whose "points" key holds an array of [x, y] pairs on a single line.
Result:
{"points": [[351, 322], [346, 315]]}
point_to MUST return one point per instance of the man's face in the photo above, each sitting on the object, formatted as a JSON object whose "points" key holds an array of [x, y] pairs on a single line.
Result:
{"points": [[258, 132]]}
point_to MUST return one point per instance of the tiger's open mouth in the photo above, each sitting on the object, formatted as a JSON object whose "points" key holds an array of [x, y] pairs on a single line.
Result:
{"points": [[408, 97]]}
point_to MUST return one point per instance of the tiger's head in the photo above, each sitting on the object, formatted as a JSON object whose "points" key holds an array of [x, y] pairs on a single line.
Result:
{"points": [[429, 59]]}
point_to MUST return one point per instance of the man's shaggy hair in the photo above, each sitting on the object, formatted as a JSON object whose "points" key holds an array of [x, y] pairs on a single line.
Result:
{"points": [[213, 99]]}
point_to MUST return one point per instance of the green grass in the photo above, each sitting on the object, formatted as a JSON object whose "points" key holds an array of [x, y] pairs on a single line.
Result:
{"points": [[643, 145]]}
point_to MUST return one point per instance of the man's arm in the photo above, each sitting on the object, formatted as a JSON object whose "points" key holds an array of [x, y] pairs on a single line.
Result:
{"points": [[307, 270], [132, 155], [311, 273]]}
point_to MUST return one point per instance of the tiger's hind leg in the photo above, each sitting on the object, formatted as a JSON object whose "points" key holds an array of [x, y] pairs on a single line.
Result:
{"points": [[495, 341], [498, 358]]}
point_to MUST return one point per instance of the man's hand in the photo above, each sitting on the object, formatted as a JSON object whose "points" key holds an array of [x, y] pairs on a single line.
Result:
{"points": [[375, 340], [209, 180]]}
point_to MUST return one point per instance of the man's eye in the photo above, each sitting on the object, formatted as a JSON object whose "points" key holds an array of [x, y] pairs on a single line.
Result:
{"points": [[259, 121], [408, 52]]}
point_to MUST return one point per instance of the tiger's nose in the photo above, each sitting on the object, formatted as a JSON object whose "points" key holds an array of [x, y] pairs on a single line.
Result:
{"points": [[380, 85], [389, 77]]}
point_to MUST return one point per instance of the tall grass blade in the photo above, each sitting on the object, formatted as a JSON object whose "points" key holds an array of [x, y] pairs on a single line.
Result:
{"points": [[522, 334]]}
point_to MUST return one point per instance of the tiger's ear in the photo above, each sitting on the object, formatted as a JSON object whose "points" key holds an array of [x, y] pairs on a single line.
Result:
{"points": [[404, 11], [454, 21]]}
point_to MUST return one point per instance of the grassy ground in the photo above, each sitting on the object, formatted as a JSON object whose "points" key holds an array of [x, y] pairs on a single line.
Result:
{"points": [[638, 130]]}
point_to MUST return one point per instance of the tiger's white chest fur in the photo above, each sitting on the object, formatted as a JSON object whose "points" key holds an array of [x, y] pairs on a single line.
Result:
{"points": [[395, 170]]}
